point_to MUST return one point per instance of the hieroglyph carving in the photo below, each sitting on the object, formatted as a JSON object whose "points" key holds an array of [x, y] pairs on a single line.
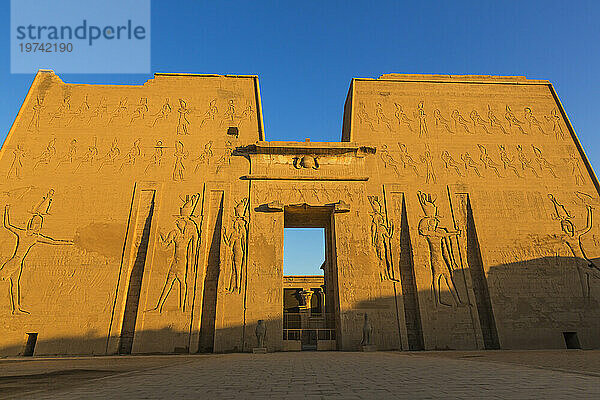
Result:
{"points": [[205, 156], [230, 113], [132, 155], [363, 116], [183, 266], [38, 107], [47, 155], [571, 237], [450, 163], [61, 111], [225, 159], [156, 156], [478, 122], [98, 112], [178, 167], [402, 118], [421, 116], [407, 160], [443, 243], [388, 159], [210, 113], [26, 239], [533, 121], [459, 120], [183, 122], [542, 162], [427, 159], [111, 155], [525, 162], [440, 121], [470, 164], [574, 163], [381, 118], [495, 121], [555, 118], [487, 160], [163, 113], [236, 239], [460, 123], [382, 232], [507, 162], [513, 121], [140, 110], [119, 111], [91, 154], [16, 167]]}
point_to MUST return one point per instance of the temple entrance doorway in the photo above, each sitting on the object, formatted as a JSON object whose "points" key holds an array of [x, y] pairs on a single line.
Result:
{"points": [[308, 286]]}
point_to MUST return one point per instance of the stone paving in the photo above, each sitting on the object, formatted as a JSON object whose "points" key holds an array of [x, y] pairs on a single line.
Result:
{"points": [[338, 375]]}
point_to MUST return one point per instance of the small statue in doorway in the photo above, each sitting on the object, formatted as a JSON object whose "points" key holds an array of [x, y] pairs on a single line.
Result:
{"points": [[261, 332], [367, 336]]}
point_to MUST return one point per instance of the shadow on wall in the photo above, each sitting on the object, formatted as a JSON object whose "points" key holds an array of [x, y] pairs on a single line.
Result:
{"points": [[536, 304]]}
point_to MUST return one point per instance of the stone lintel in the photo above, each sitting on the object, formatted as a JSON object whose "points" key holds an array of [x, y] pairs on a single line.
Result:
{"points": [[303, 178], [313, 148]]}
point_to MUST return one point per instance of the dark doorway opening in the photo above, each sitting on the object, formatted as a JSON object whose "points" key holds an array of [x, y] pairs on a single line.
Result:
{"points": [[30, 345], [310, 284], [571, 340]]}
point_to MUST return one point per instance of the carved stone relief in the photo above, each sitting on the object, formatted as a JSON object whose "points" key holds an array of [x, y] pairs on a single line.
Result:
{"points": [[236, 239], [306, 162], [162, 113], [25, 239], [184, 239], [155, 159], [382, 232], [571, 237], [443, 252], [183, 122], [119, 111], [178, 167], [16, 166], [204, 158], [36, 110], [140, 111]]}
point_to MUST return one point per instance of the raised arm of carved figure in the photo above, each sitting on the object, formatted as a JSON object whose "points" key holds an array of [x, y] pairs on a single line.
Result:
{"points": [[453, 233], [444, 232], [7, 223], [588, 226], [48, 240]]}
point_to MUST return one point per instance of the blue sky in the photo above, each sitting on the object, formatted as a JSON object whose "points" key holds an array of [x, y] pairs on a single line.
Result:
{"points": [[303, 251], [306, 53]]}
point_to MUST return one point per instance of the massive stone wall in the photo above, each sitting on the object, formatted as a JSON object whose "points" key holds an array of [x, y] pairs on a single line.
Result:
{"points": [[494, 182], [105, 185], [460, 212]]}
